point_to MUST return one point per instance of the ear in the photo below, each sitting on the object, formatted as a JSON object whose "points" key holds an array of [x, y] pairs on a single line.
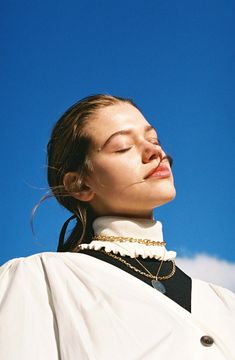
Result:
{"points": [[76, 188]]}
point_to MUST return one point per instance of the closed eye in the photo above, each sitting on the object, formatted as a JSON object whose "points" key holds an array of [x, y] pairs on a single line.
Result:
{"points": [[123, 150], [154, 141]]}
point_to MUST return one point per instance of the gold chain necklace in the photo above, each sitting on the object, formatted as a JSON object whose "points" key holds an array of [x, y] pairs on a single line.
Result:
{"points": [[155, 278], [112, 238]]}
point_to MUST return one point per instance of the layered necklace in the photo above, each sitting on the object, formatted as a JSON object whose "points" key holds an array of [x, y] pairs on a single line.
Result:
{"points": [[133, 247], [155, 278]]}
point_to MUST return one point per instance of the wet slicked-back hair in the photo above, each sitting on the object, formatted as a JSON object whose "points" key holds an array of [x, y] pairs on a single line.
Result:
{"points": [[68, 151]]}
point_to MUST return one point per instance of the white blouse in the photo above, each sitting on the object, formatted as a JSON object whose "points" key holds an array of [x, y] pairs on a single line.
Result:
{"points": [[72, 306], [69, 306]]}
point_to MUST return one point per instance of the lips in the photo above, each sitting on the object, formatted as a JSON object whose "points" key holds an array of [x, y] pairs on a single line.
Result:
{"points": [[160, 172]]}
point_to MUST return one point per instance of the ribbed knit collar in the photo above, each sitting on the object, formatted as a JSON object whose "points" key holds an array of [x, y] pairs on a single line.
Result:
{"points": [[130, 227]]}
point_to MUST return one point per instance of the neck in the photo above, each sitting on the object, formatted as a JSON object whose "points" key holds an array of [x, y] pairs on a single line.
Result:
{"points": [[144, 214]]}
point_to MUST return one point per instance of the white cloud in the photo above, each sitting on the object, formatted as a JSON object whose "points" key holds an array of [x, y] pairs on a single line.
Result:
{"points": [[209, 268]]}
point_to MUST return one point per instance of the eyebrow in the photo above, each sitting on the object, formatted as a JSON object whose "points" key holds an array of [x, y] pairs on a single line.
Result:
{"points": [[124, 132]]}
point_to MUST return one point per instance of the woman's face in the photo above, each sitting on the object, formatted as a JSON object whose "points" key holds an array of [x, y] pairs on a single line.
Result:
{"points": [[124, 180]]}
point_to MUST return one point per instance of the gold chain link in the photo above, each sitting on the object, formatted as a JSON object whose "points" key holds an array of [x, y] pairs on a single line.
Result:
{"points": [[148, 274], [128, 239]]}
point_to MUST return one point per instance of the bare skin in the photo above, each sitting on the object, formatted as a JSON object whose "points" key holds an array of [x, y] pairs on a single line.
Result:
{"points": [[126, 150]]}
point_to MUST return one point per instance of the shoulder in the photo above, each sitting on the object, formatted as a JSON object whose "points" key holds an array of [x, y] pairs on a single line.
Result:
{"points": [[39, 262], [55, 278], [51, 266], [39, 267], [32, 263], [35, 277], [213, 292]]}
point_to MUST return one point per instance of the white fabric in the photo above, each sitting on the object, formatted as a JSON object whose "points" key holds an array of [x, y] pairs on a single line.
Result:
{"points": [[130, 227], [68, 306]]}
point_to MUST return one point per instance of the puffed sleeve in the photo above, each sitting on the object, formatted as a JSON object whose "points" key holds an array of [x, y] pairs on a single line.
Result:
{"points": [[28, 329]]}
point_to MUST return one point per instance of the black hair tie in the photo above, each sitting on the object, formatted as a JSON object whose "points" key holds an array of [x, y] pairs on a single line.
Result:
{"points": [[62, 233]]}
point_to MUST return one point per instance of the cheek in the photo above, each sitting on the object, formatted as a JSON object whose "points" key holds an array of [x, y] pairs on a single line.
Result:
{"points": [[116, 173]]}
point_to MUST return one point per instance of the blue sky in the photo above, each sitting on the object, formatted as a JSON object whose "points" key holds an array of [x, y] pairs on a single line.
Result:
{"points": [[174, 59]]}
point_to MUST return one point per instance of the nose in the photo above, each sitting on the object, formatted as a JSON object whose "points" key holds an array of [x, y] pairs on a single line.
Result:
{"points": [[151, 151]]}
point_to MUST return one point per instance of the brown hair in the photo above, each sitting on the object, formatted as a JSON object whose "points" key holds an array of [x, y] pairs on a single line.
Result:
{"points": [[68, 151]]}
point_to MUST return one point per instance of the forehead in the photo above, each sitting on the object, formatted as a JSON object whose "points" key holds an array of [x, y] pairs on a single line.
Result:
{"points": [[114, 118]]}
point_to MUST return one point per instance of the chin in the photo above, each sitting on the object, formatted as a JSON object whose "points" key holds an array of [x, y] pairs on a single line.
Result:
{"points": [[165, 197]]}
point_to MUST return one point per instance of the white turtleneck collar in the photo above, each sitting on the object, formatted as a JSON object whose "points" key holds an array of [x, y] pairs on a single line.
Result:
{"points": [[130, 227]]}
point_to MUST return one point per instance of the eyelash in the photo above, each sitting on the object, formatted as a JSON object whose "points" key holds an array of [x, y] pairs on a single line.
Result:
{"points": [[152, 141], [123, 150], [155, 142]]}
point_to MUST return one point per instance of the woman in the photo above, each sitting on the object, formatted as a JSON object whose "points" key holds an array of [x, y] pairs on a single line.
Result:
{"points": [[113, 291]]}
